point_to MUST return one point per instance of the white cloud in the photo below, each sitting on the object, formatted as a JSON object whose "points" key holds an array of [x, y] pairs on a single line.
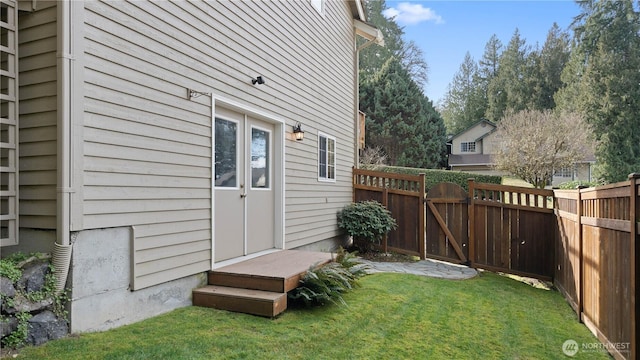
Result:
{"points": [[411, 14]]}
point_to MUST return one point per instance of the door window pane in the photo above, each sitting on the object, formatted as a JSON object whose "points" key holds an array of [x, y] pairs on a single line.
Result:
{"points": [[226, 159], [260, 158]]}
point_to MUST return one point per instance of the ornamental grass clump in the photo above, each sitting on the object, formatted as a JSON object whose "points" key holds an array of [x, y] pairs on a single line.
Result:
{"points": [[366, 222]]}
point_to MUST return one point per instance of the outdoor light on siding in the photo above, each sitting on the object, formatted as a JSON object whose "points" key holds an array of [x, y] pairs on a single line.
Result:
{"points": [[258, 80], [298, 134]]}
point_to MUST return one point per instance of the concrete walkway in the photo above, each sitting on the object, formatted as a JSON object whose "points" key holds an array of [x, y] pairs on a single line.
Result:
{"points": [[428, 267]]}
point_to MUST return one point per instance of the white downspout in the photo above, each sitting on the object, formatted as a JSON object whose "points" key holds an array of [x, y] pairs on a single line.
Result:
{"points": [[62, 247]]}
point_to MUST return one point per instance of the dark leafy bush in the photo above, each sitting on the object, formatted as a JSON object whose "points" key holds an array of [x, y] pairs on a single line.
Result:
{"points": [[367, 222]]}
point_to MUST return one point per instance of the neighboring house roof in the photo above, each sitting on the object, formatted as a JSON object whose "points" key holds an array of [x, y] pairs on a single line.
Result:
{"points": [[472, 126], [487, 134]]}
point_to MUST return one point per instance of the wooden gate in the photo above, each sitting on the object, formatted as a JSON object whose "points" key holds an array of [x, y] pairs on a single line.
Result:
{"points": [[447, 223], [512, 229]]}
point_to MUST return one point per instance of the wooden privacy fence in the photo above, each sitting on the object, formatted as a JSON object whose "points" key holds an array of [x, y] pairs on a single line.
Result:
{"points": [[403, 195], [597, 260], [584, 240]]}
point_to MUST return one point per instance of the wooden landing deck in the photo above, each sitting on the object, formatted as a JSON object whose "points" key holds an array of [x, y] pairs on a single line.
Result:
{"points": [[278, 272], [268, 278]]}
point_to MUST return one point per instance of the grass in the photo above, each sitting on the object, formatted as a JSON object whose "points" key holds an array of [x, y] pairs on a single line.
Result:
{"points": [[391, 316]]}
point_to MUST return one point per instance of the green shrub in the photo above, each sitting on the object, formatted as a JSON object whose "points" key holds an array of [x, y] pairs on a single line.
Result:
{"points": [[367, 222], [434, 176], [578, 183]]}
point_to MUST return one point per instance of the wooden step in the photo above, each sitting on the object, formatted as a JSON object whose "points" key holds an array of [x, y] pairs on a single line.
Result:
{"points": [[248, 301]]}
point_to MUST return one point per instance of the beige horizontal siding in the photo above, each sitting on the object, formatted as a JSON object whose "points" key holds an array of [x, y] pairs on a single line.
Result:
{"points": [[37, 79], [147, 150]]}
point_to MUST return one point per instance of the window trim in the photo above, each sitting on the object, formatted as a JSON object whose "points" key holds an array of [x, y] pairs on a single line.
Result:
{"points": [[318, 5], [327, 138], [466, 146]]}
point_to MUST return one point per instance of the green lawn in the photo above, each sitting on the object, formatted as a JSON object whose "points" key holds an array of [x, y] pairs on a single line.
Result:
{"points": [[391, 316]]}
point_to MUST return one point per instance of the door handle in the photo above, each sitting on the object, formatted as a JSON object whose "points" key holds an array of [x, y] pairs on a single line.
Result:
{"points": [[242, 196]]}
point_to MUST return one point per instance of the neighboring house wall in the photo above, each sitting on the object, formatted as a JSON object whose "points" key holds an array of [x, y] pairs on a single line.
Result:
{"points": [[580, 172], [471, 135], [37, 104], [489, 143]]}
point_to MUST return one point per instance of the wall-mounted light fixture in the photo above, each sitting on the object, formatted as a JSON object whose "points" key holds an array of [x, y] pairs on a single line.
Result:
{"points": [[298, 134], [258, 80]]}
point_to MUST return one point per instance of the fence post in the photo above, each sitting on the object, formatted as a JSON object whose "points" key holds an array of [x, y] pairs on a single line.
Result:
{"points": [[385, 203], [580, 254], [471, 224], [634, 217], [354, 181], [422, 218]]}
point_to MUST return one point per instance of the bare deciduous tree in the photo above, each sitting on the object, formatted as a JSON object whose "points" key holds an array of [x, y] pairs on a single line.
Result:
{"points": [[373, 157], [531, 144]]}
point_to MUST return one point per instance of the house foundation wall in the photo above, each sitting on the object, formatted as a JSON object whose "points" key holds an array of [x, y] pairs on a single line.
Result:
{"points": [[99, 276], [328, 245]]}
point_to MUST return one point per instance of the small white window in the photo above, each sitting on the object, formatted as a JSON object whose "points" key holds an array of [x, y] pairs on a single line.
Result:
{"points": [[326, 158], [318, 5], [565, 172], [468, 146]]}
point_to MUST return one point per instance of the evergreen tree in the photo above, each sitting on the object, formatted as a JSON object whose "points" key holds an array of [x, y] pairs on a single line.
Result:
{"points": [[401, 120], [464, 102], [508, 89], [603, 79], [488, 65], [545, 77], [409, 54]]}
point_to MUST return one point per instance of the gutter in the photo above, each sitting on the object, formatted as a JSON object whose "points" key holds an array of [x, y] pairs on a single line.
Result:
{"points": [[369, 32], [374, 36], [62, 247]]}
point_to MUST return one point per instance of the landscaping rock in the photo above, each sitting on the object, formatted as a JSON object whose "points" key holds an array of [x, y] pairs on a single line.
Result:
{"points": [[22, 304], [6, 287], [46, 326], [33, 276], [8, 326]]}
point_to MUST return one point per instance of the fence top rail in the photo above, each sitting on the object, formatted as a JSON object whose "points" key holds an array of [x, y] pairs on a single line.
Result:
{"points": [[512, 189], [385, 175], [621, 189], [566, 194]]}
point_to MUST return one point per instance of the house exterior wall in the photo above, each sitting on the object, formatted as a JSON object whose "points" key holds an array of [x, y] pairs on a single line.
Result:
{"points": [[141, 159], [147, 160], [37, 116]]}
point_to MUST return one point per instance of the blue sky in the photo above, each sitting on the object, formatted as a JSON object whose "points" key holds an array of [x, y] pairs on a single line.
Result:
{"points": [[446, 30]]}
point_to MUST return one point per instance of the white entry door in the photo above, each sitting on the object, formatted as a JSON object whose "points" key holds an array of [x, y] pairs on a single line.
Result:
{"points": [[244, 197]]}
